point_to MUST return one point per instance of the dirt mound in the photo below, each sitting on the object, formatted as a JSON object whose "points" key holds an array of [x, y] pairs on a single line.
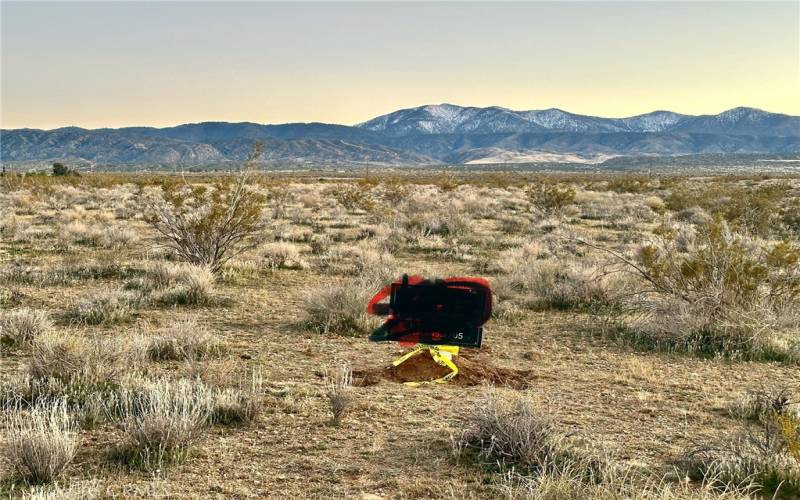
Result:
{"points": [[473, 369]]}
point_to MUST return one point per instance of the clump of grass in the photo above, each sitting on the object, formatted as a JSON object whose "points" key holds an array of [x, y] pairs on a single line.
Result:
{"points": [[694, 215], [764, 455], [750, 460], [320, 243], [339, 385], [103, 235], [239, 405], [340, 308], [75, 491], [760, 404], [282, 255], [106, 308], [426, 219], [161, 420], [240, 271], [507, 312], [512, 224], [365, 263], [9, 227], [24, 325], [176, 284], [41, 440], [22, 274], [9, 297], [196, 287], [352, 197], [66, 357], [563, 284], [626, 485], [515, 434], [535, 460], [72, 368], [184, 340]]}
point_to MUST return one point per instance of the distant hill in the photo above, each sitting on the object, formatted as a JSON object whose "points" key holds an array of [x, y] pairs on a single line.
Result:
{"points": [[425, 135]]}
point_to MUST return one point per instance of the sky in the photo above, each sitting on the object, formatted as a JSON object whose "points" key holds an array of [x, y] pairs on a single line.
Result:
{"points": [[112, 64]]}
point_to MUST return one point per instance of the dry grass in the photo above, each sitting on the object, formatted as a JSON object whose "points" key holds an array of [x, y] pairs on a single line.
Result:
{"points": [[340, 309], [106, 308], [751, 460], [339, 391], [23, 326], [160, 420], [75, 491], [81, 371], [282, 256], [759, 404], [514, 433], [561, 284], [169, 284], [41, 442], [538, 461], [240, 404], [184, 340]]}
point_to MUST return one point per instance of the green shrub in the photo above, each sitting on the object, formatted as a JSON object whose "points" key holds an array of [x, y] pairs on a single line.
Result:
{"points": [[353, 196], [752, 209], [550, 198], [61, 170], [726, 295], [207, 226], [629, 184]]}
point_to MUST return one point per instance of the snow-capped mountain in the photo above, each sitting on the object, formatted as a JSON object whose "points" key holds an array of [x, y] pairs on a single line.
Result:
{"points": [[743, 121], [657, 121], [452, 119], [431, 134]]}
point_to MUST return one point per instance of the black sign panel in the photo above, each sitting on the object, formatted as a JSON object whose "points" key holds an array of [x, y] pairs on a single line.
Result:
{"points": [[444, 312]]}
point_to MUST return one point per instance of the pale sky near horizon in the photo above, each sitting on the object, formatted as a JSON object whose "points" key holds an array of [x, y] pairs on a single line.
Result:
{"points": [[158, 63]]}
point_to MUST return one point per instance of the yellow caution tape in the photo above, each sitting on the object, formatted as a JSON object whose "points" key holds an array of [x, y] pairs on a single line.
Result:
{"points": [[441, 354]]}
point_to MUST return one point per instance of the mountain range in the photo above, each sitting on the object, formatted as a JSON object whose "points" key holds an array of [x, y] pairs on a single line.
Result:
{"points": [[431, 134]]}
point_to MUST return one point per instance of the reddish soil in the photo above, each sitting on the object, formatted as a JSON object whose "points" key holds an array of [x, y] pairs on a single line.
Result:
{"points": [[473, 369]]}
